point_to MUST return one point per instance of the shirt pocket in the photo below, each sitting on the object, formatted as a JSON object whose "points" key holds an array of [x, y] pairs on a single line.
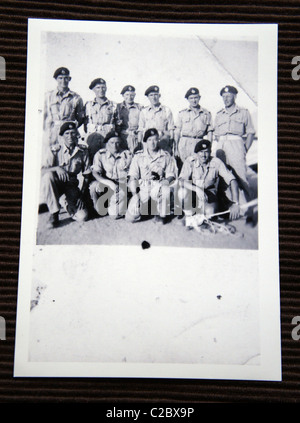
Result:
{"points": [[201, 123], [133, 119], [237, 125], [107, 114], [186, 121], [54, 109], [67, 110]]}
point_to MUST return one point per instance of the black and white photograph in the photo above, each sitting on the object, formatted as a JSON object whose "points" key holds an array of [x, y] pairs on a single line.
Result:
{"points": [[149, 218], [193, 93]]}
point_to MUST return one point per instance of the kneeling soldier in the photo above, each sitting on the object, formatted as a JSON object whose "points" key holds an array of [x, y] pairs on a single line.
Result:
{"points": [[60, 170], [199, 177], [151, 173], [110, 168]]}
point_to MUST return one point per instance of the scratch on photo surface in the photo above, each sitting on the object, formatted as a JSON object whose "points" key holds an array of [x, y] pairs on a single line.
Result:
{"points": [[251, 358], [197, 322]]}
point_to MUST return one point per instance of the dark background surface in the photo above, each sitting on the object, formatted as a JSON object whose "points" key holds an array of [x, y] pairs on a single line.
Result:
{"points": [[13, 47]]}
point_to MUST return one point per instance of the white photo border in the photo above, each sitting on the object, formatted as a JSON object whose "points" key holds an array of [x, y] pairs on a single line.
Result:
{"points": [[267, 254]]}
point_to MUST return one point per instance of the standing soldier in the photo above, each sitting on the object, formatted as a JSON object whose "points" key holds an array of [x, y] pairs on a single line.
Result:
{"points": [[110, 169], [232, 124], [192, 125], [151, 173], [128, 113], [61, 105], [100, 115], [60, 170], [157, 116]]}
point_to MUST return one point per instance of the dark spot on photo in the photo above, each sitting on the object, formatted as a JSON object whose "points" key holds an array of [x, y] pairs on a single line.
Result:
{"points": [[145, 245]]}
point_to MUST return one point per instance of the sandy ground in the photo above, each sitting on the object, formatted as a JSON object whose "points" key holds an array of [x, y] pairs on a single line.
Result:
{"points": [[106, 231]]}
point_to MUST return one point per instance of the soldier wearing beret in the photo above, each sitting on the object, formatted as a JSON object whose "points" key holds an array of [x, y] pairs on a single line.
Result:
{"points": [[234, 132], [193, 123], [61, 105], [127, 123], [151, 173], [198, 181], [110, 169], [100, 116], [157, 116], [60, 170]]}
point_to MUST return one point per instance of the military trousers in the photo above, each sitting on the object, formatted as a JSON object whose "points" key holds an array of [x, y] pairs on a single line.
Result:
{"points": [[129, 141], [186, 147], [160, 194], [56, 193], [231, 150], [191, 203], [106, 201]]}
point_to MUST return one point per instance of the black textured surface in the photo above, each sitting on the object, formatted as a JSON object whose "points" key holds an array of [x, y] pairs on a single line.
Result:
{"points": [[13, 44]]}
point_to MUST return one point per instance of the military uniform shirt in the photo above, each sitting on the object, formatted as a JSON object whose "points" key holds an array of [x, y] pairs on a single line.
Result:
{"points": [[97, 115], [143, 164], [236, 122], [205, 175], [73, 163], [62, 107], [128, 116], [160, 118], [193, 123], [114, 167]]}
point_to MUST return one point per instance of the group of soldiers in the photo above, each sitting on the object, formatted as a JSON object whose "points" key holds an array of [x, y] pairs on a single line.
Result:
{"points": [[111, 158]]}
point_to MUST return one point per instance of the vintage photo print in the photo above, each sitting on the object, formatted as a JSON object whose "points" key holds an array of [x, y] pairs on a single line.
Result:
{"points": [[149, 220]]}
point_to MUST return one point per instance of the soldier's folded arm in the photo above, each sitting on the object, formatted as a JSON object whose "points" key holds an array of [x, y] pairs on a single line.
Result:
{"points": [[61, 173], [235, 207], [104, 180], [80, 112], [49, 164], [85, 184], [229, 178], [250, 131], [133, 185]]}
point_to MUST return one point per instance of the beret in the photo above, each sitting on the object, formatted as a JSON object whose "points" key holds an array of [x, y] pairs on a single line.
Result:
{"points": [[61, 71], [66, 126], [110, 135], [152, 89], [228, 89], [149, 133], [202, 145], [127, 88], [191, 91], [96, 82]]}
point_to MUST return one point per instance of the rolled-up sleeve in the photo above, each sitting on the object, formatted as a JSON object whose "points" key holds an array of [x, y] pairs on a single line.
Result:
{"points": [[223, 171], [249, 127], [97, 165], [186, 170], [171, 170], [134, 169], [86, 165], [142, 121], [170, 119]]}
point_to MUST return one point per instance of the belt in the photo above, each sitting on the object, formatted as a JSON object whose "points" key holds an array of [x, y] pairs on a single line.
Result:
{"points": [[148, 182], [230, 136], [189, 136], [98, 127]]}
